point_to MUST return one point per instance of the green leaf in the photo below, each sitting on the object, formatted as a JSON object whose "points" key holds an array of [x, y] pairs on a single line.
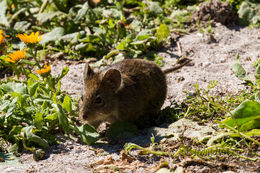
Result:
{"points": [[73, 37], [14, 87], [82, 12], [52, 117], [28, 62], [9, 159], [87, 133], [44, 17], [15, 130], [123, 45], [246, 116], [33, 89], [155, 8], [162, 33], [247, 109], [22, 26], [64, 71], [34, 77], [63, 119], [3, 17], [38, 120], [62, 5], [31, 137], [54, 35], [67, 104], [254, 132], [20, 98], [238, 70], [252, 124], [58, 87]]}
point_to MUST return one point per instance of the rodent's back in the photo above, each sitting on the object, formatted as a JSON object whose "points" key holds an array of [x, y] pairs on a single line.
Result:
{"points": [[143, 89]]}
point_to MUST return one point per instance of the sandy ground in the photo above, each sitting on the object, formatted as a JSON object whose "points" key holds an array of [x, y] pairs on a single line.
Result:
{"points": [[210, 61]]}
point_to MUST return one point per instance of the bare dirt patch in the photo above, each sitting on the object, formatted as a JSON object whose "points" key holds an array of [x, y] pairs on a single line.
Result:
{"points": [[210, 61]]}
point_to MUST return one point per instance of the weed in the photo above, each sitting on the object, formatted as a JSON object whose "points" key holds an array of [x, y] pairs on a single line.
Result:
{"points": [[32, 107]]}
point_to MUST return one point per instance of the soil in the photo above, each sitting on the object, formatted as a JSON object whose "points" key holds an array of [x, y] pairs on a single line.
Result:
{"points": [[210, 60]]}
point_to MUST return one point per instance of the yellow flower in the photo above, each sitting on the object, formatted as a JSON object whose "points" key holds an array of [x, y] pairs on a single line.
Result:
{"points": [[30, 39], [2, 37], [45, 70], [15, 56]]}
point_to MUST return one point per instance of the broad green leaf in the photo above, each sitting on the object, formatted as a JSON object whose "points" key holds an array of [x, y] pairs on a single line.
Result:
{"points": [[14, 87], [63, 119], [252, 124], [38, 120], [33, 89], [123, 45], [3, 17], [143, 37], [20, 98], [52, 117], [162, 33], [87, 133], [44, 17], [82, 12], [73, 37], [238, 70], [67, 104], [254, 132], [34, 77], [81, 47], [22, 26], [53, 35], [248, 108], [31, 137], [246, 113]]}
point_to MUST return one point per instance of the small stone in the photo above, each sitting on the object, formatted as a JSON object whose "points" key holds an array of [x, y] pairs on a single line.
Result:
{"points": [[206, 64]]}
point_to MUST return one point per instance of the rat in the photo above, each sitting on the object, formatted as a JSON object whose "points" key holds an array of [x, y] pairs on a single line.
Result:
{"points": [[128, 91]]}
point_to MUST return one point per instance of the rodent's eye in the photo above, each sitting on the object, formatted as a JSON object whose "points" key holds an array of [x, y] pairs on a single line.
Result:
{"points": [[98, 100]]}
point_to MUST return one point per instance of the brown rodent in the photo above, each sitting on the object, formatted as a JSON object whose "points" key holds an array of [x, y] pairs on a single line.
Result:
{"points": [[130, 90]]}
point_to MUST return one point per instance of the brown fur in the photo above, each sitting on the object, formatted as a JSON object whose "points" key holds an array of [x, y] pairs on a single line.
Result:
{"points": [[126, 91]]}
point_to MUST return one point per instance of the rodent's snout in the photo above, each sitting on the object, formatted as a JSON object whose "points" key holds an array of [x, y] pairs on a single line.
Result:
{"points": [[82, 114]]}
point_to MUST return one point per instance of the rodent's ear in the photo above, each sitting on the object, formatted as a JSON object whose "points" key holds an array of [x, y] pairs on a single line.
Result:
{"points": [[87, 71], [113, 78]]}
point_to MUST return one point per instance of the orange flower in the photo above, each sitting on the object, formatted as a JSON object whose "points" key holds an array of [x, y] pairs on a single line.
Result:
{"points": [[2, 37], [45, 70], [30, 39], [15, 56]]}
